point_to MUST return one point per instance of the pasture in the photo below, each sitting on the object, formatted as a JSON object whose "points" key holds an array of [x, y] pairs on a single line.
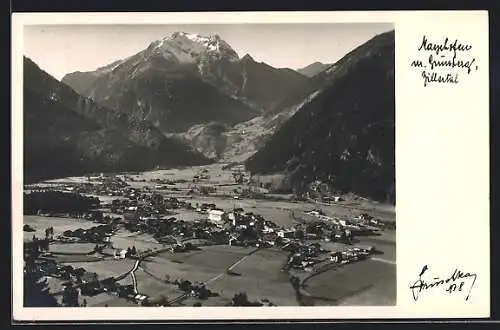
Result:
{"points": [[60, 225], [106, 268], [368, 282]]}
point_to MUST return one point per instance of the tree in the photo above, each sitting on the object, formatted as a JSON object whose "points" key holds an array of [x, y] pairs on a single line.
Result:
{"points": [[157, 199], [44, 244], [240, 299], [70, 297], [36, 293], [185, 285], [203, 293], [238, 177], [295, 282], [162, 301]]}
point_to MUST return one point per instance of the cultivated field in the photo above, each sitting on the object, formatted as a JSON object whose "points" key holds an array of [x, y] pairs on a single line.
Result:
{"points": [[204, 265], [260, 276]]}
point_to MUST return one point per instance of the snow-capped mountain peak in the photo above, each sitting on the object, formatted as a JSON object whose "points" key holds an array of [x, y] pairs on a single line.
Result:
{"points": [[190, 47]]}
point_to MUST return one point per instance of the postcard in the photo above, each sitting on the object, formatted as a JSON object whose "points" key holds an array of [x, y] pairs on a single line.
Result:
{"points": [[296, 165]]}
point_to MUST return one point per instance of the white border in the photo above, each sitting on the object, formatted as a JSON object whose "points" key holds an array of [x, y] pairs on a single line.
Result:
{"points": [[414, 244]]}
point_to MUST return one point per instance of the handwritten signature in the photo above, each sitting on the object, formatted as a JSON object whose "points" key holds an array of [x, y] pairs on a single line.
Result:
{"points": [[452, 284]]}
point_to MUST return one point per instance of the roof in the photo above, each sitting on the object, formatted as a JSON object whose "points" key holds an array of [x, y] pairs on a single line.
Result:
{"points": [[216, 212]]}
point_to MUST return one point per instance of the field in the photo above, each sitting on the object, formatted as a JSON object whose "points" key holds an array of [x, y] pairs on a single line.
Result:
{"points": [[72, 248], [124, 239], [368, 282], [257, 273], [60, 225], [155, 287], [109, 300], [260, 277], [106, 268], [75, 258], [204, 265]]}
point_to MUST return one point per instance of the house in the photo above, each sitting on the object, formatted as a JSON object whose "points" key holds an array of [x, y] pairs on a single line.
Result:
{"points": [[122, 254], [269, 238], [336, 257], [287, 233], [139, 298], [215, 215]]}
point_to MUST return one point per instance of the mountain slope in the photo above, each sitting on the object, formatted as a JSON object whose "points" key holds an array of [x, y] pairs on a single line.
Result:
{"points": [[313, 69], [344, 133], [81, 82], [185, 80], [65, 133]]}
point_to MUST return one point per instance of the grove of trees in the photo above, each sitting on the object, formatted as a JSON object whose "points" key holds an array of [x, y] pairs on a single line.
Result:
{"points": [[57, 201]]}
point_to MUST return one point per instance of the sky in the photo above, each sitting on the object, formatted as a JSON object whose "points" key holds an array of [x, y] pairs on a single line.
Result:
{"points": [[61, 49]]}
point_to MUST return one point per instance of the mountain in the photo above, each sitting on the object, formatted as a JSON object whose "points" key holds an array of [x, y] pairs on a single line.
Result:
{"points": [[313, 69], [67, 134], [81, 82], [344, 132], [187, 79]]}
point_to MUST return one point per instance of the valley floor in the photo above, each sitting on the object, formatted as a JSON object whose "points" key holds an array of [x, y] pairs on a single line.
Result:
{"points": [[258, 272]]}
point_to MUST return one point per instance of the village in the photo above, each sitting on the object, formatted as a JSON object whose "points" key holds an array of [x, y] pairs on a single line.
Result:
{"points": [[124, 230]]}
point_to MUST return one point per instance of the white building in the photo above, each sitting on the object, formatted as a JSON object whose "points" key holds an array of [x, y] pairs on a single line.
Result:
{"points": [[121, 255], [286, 233], [216, 215]]}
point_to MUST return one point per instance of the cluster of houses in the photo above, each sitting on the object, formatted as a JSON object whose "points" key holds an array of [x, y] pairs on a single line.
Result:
{"points": [[88, 283], [362, 225], [113, 185], [311, 257], [144, 205]]}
